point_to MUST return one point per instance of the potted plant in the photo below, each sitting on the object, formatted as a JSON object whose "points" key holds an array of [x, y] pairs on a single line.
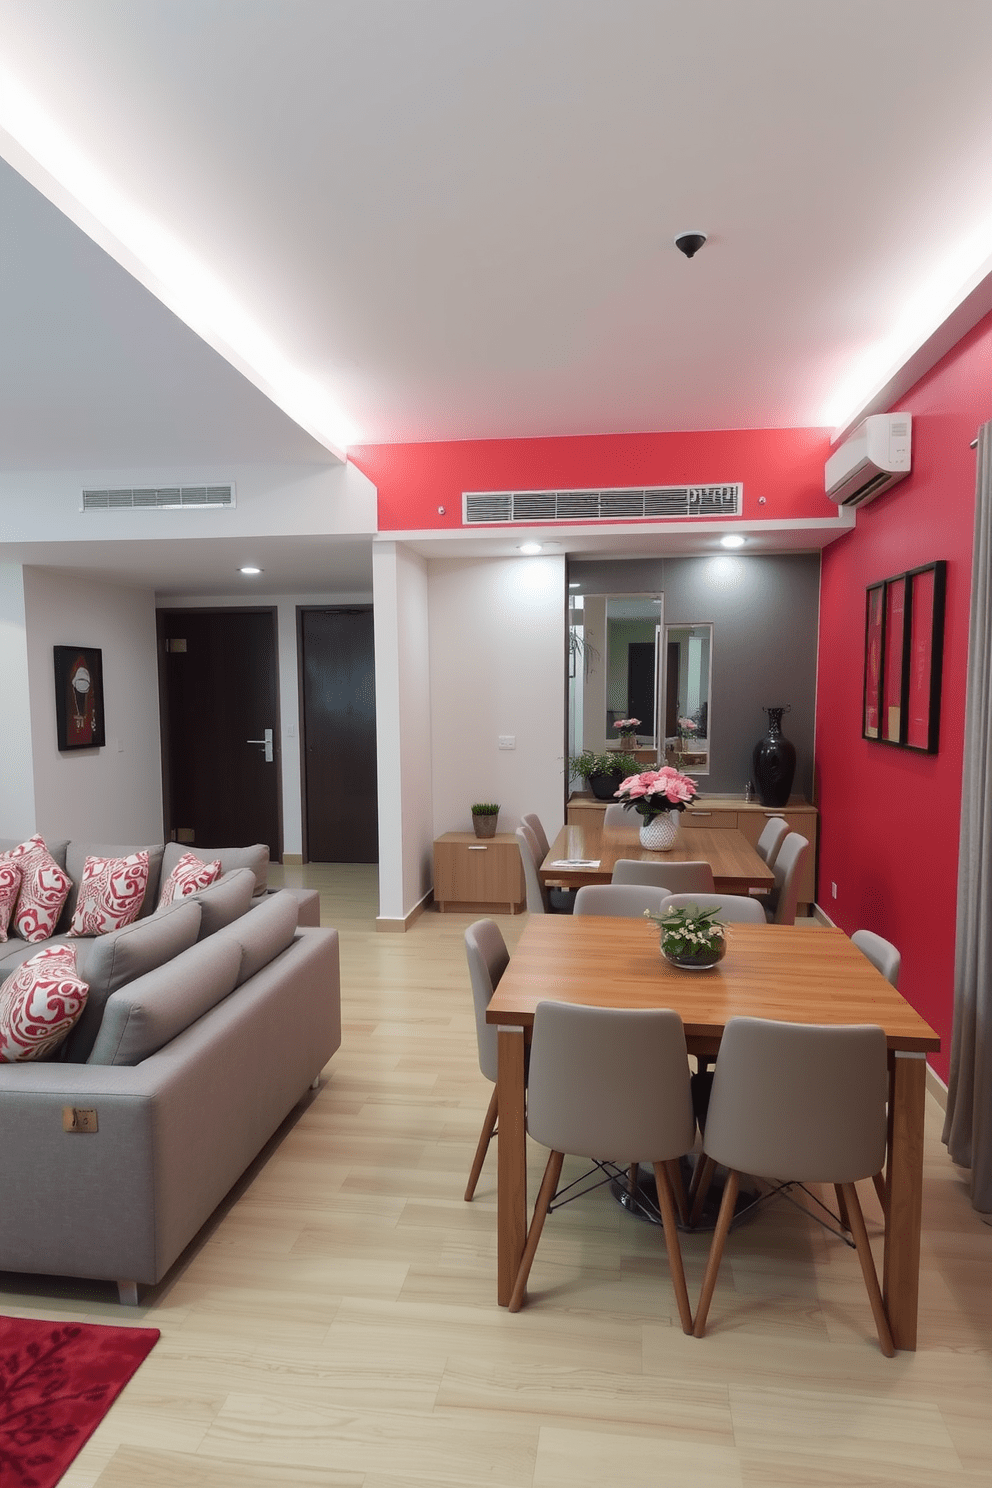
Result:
{"points": [[658, 796], [690, 937], [627, 729], [484, 816], [603, 771]]}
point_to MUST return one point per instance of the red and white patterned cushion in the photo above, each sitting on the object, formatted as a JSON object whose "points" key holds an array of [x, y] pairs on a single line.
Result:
{"points": [[39, 1003], [10, 884], [190, 873], [110, 894], [44, 889]]}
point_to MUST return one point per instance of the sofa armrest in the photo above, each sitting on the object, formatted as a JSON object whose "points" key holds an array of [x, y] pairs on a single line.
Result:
{"points": [[309, 902]]}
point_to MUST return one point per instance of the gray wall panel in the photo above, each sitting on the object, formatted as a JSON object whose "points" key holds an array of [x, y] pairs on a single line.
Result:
{"points": [[764, 610]]}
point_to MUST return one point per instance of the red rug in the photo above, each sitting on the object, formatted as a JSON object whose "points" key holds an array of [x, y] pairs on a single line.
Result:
{"points": [[57, 1382]]}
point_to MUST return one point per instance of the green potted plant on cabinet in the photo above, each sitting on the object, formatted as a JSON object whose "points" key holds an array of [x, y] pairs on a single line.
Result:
{"points": [[603, 771], [484, 817]]}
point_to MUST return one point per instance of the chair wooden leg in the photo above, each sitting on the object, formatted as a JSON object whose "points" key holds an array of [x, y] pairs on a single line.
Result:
{"points": [[674, 1170], [701, 1180], [632, 1179], [716, 1252], [549, 1184], [860, 1234], [879, 1181], [666, 1203], [488, 1127], [842, 1206]]}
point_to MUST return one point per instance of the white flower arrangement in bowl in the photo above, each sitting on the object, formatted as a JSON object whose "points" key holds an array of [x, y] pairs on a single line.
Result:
{"points": [[691, 937]]}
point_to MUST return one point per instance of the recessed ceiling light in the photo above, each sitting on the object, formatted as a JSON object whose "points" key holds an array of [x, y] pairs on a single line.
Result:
{"points": [[732, 540], [530, 548], [249, 569]]}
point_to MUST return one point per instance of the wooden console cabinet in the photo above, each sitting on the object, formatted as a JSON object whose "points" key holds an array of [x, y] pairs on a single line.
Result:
{"points": [[476, 873], [749, 817]]}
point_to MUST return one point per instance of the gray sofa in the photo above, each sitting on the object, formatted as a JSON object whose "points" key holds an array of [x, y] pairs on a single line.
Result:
{"points": [[205, 1024]]}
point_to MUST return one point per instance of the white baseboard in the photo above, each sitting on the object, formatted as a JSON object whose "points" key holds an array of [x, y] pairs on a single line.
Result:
{"points": [[399, 926], [937, 1088]]}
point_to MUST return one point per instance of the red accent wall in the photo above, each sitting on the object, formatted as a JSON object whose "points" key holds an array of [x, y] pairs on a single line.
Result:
{"points": [[890, 818], [785, 466]]}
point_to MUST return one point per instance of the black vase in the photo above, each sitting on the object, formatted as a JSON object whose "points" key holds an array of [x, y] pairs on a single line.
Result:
{"points": [[773, 763]]}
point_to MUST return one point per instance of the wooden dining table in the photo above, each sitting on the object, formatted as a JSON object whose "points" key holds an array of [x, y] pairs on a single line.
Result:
{"points": [[792, 973], [586, 854]]}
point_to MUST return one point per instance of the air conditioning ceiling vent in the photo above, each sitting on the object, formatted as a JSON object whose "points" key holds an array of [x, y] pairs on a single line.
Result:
{"points": [[628, 503], [161, 498]]}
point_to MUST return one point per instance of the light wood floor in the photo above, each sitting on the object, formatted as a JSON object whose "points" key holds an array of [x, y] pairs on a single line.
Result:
{"points": [[337, 1324]]}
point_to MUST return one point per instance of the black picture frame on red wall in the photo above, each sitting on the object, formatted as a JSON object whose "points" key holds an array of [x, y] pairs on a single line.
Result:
{"points": [[904, 641]]}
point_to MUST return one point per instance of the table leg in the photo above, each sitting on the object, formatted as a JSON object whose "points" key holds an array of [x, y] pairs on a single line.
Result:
{"points": [[904, 1196], [511, 1223]]}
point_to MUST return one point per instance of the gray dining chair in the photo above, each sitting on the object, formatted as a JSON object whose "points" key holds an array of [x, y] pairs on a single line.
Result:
{"points": [[881, 953], [623, 901], [608, 1084], [773, 834], [677, 878], [532, 820], [798, 1102], [734, 908], [616, 815], [537, 894], [488, 958], [559, 900], [781, 907]]}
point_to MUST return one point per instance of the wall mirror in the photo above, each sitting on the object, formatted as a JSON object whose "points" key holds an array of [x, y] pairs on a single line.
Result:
{"points": [[687, 696], [615, 671]]}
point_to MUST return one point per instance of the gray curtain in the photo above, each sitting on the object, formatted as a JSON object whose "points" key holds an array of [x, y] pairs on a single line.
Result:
{"points": [[968, 1128]]}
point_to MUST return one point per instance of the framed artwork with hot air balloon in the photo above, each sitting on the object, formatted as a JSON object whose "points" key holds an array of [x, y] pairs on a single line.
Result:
{"points": [[79, 697]]}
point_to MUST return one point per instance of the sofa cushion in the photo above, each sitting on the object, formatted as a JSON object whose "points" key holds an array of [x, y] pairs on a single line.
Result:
{"points": [[39, 1004], [44, 888], [10, 887], [190, 873], [110, 894], [148, 1013], [57, 849], [110, 962], [74, 861], [256, 858], [266, 930], [224, 901]]}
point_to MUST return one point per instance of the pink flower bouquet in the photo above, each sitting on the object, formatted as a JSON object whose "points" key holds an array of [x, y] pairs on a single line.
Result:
{"points": [[654, 791]]}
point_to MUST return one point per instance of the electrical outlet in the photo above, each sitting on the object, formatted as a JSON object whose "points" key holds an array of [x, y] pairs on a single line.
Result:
{"points": [[833, 890], [507, 741]]}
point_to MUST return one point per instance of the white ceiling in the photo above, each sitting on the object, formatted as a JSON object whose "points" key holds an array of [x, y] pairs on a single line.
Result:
{"points": [[455, 217]]}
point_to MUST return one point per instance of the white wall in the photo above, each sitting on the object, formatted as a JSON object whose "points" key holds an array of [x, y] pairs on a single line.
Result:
{"points": [[403, 723], [113, 794], [291, 761], [17, 818], [272, 500], [498, 663]]}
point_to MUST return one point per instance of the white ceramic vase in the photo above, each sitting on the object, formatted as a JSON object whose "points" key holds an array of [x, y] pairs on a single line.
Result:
{"points": [[658, 833]]}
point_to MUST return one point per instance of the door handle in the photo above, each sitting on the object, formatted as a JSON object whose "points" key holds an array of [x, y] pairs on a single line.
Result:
{"points": [[267, 742]]}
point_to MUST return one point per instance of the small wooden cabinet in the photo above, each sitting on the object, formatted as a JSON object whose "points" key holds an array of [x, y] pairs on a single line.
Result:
{"points": [[749, 817], [478, 873]]}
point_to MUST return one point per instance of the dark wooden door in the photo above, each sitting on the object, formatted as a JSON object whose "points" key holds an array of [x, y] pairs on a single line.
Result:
{"points": [[219, 699], [337, 663], [641, 662]]}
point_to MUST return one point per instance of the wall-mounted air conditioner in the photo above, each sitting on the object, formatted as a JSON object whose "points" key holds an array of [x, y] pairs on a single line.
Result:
{"points": [[872, 458]]}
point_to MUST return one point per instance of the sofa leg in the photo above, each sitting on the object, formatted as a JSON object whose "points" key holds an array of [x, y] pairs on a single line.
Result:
{"points": [[315, 1083], [127, 1293]]}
